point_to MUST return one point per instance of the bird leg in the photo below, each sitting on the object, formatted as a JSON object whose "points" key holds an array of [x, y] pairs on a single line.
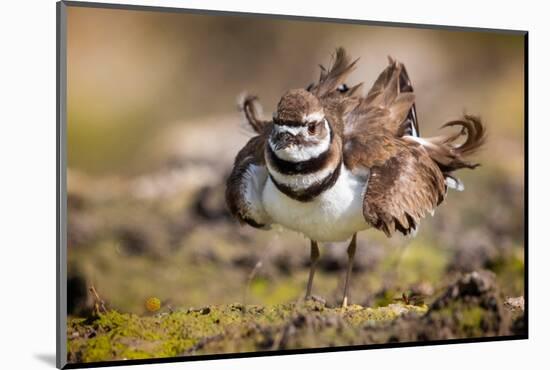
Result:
{"points": [[314, 259], [351, 254]]}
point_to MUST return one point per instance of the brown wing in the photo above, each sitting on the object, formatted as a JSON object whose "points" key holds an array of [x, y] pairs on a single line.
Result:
{"points": [[408, 176], [404, 182], [245, 183], [389, 103]]}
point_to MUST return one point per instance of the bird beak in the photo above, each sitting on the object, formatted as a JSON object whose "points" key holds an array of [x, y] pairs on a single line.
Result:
{"points": [[284, 140]]}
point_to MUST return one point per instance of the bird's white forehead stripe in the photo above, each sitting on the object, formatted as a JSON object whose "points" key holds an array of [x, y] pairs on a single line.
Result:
{"points": [[314, 117], [294, 130]]}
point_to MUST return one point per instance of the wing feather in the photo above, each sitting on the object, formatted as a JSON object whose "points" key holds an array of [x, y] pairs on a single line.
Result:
{"points": [[334, 77], [404, 185], [246, 182], [390, 103]]}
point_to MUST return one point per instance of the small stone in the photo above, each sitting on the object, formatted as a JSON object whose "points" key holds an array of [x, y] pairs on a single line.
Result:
{"points": [[515, 303]]}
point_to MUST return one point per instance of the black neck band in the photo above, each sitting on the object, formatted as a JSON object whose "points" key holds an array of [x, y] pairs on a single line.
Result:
{"points": [[307, 194]]}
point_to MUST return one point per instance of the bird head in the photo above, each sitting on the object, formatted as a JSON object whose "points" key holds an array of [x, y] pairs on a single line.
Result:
{"points": [[300, 129]]}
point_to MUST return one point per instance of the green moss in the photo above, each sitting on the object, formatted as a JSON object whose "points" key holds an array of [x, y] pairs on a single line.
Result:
{"points": [[98, 348], [382, 314], [226, 328]]}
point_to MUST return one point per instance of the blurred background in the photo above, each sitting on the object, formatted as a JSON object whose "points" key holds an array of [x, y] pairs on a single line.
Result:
{"points": [[153, 128]]}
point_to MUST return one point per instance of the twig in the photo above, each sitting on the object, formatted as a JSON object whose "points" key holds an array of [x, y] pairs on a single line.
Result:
{"points": [[99, 304]]}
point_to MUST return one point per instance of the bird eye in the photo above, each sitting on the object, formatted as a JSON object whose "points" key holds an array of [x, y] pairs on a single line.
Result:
{"points": [[311, 128]]}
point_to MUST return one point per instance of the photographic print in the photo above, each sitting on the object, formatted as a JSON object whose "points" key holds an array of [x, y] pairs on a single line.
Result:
{"points": [[237, 184]]}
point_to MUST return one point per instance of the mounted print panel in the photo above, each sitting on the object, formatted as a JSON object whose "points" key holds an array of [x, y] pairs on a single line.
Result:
{"points": [[237, 184]]}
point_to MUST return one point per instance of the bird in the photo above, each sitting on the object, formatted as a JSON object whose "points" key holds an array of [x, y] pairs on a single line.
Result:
{"points": [[333, 162]]}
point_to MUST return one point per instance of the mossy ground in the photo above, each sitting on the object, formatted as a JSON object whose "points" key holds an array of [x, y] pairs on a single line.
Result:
{"points": [[223, 329], [471, 307]]}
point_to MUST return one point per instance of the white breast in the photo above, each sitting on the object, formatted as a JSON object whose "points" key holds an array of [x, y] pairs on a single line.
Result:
{"points": [[334, 215]]}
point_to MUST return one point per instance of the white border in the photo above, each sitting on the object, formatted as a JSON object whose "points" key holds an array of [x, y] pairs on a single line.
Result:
{"points": [[28, 182]]}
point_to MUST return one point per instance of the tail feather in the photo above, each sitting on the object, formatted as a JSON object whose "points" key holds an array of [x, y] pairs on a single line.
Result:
{"points": [[450, 155], [475, 134], [248, 104]]}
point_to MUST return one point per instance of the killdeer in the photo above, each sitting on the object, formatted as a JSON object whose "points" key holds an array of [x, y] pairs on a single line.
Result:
{"points": [[332, 162]]}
